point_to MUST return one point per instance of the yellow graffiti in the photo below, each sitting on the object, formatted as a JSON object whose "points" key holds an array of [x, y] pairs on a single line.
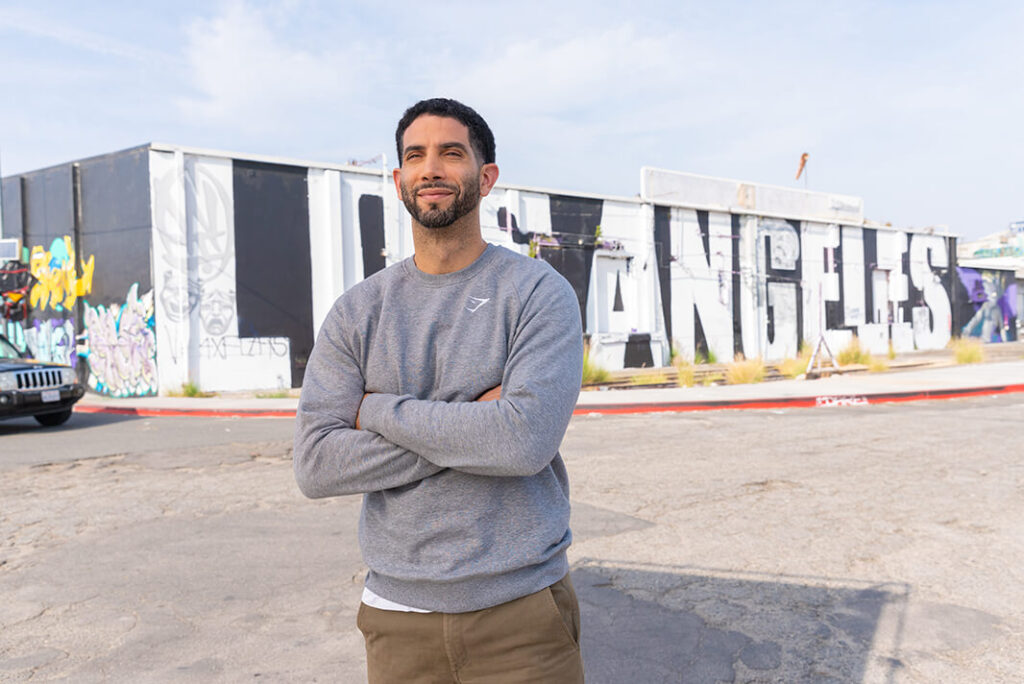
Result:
{"points": [[58, 284]]}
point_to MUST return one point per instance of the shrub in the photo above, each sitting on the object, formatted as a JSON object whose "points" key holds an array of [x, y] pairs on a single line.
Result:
{"points": [[708, 357], [744, 371], [685, 375], [967, 350], [853, 353], [793, 368], [649, 379], [191, 389], [876, 365], [593, 373], [674, 357]]}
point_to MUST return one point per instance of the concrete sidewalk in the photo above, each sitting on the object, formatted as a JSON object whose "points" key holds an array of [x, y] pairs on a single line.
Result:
{"points": [[852, 389]]}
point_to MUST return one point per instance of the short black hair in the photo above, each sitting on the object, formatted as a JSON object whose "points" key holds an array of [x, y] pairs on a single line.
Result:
{"points": [[480, 136]]}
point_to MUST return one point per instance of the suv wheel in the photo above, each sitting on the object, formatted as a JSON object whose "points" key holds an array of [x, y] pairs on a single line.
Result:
{"points": [[53, 419]]}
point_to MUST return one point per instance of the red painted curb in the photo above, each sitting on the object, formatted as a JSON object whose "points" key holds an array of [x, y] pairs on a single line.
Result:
{"points": [[822, 401], [201, 413]]}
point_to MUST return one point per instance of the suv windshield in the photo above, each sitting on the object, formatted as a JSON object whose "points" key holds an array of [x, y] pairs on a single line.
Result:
{"points": [[7, 350]]}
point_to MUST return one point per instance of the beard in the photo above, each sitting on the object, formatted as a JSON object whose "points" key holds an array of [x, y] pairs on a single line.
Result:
{"points": [[465, 200]]}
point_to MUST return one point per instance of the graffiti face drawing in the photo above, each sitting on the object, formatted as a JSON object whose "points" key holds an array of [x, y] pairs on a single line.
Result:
{"points": [[217, 312], [178, 298]]}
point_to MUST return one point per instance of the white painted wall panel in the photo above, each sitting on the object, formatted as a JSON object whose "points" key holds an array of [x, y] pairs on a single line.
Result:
{"points": [[820, 275], [173, 296], [926, 253]]}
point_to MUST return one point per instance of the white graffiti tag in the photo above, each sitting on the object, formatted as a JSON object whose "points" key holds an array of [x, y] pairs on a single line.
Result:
{"points": [[828, 402], [121, 346]]}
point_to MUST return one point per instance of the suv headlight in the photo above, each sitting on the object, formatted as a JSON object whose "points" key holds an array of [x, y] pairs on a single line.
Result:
{"points": [[68, 376], [8, 382]]}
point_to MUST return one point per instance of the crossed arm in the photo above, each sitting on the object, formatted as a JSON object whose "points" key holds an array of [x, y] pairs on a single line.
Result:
{"points": [[348, 441], [492, 394]]}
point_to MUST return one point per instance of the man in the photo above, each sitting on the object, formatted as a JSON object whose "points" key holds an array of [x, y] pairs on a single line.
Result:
{"points": [[440, 388]]}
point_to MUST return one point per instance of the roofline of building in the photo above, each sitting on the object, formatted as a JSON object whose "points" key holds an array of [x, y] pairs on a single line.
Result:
{"points": [[265, 158], [864, 222], [81, 160], [823, 193], [383, 172]]}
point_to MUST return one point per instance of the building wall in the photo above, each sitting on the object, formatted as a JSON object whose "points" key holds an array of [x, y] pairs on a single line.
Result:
{"points": [[248, 258], [742, 284], [761, 270], [85, 230], [117, 337], [175, 266]]}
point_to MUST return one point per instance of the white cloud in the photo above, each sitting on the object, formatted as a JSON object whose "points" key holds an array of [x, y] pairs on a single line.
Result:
{"points": [[916, 110], [572, 76], [247, 75]]}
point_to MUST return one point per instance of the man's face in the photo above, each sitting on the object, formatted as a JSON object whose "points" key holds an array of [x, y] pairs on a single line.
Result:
{"points": [[440, 179]]}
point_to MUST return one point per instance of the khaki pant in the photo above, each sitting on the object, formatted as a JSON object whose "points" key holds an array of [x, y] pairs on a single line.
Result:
{"points": [[534, 639]]}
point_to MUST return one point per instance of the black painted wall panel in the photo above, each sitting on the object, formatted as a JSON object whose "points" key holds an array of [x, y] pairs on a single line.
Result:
{"points": [[703, 225], [272, 260], [371, 228], [949, 279], [960, 306], [737, 314], [870, 236], [574, 265], [663, 252], [12, 208], [573, 219], [638, 352], [700, 340], [915, 297], [116, 224], [48, 202]]}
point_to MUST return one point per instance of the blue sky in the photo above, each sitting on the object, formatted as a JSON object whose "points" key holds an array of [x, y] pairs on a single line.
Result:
{"points": [[918, 107]]}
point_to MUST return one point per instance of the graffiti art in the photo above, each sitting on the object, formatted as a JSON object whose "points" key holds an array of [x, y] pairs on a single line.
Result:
{"points": [[992, 295], [120, 346]]}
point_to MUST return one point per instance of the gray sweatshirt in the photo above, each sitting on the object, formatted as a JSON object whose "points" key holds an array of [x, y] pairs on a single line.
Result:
{"points": [[466, 504]]}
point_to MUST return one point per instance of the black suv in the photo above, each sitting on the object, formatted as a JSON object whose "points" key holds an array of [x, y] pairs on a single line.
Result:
{"points": [[46, 391]]}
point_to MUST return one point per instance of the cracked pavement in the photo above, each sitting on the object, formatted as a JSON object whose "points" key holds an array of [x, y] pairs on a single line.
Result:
{"points": [[849, 544]]}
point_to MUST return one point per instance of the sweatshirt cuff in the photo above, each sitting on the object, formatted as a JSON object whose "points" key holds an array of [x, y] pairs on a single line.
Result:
{"points": [[374, 410]]}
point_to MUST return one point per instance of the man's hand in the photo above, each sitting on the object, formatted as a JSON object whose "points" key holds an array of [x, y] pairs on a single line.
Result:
{"points": [[365, 394], [492, 394]]}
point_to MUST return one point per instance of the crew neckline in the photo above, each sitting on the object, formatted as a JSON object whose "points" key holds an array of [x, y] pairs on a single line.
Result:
{"points": [[442, 279]]}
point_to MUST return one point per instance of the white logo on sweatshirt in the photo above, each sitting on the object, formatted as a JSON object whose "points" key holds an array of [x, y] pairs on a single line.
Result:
{"points": [[475, 303]]}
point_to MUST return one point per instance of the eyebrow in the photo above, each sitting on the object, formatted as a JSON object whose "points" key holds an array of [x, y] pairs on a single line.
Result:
{"points": [[444, 146]]}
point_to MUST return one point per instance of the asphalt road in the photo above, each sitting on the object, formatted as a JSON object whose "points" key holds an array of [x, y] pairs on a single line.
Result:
{"points": [[847, 544]]}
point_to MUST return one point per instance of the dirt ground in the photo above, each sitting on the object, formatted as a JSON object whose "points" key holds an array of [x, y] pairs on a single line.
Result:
{"points": [[855, 544]]}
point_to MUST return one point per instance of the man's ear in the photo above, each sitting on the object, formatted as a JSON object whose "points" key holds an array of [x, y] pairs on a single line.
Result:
{"points": [[397, 175], [488, 177]]}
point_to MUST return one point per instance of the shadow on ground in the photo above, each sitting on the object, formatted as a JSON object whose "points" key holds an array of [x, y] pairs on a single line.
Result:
{"points": [[683, 624]]}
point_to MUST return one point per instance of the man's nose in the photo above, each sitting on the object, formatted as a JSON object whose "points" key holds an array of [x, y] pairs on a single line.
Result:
{"points": [[432, 166]]}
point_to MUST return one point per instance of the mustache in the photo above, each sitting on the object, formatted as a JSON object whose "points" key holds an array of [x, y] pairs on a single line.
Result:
{"points": [[426, 185]]}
